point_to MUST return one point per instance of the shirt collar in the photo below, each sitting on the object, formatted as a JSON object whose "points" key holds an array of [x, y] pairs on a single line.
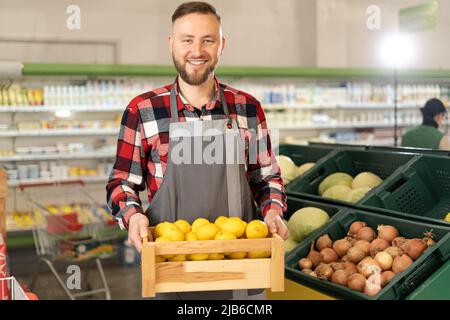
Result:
{"points": [[183, 103]]}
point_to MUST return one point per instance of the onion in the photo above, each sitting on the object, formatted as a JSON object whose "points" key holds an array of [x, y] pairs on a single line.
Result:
{"points": [[328, 255], [387, 233], [394, 251], [384, 259], [340, 277], [341, 247], [313, 274], [378, 245], [305, 263], [366, 233], [414, 248], [373, 284], [356, 282], [324, 242], [399, 242], [351, 240], [337, 266], [364, 245], [345, 258], [386, 277], [401, 263], [355, 227], [350, 267], [355, 254], [324, 271], [307, 271], [429, 238], [368, 266], [314, 256]]}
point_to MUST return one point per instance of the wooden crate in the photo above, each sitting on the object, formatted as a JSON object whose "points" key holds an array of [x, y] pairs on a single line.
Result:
{"points": [[207, 275]]}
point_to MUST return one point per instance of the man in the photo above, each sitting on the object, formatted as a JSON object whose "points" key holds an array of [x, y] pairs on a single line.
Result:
{"points": [[157, 122]]}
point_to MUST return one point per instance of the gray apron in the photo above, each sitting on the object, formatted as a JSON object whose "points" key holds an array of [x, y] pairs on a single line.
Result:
{"points": [[192, 188]]}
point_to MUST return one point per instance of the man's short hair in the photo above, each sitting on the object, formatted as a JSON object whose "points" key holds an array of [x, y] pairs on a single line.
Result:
{"points": [[194, 7]]}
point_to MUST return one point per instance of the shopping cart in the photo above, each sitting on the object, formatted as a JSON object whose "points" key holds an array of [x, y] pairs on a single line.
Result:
{"points": [[11, 290], [71, 228]]}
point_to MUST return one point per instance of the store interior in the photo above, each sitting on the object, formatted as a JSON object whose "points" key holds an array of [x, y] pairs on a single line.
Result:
{"points": [[327, 72]]}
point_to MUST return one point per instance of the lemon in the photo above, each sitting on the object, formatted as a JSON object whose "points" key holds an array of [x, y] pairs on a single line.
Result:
{"points": [[234, 225], [216, 256], [197, 223], [256, 229], [178, 257], [164, 239], [190, 236], [183, 225], [225, 235], [237, 255], [172, 232], [207, 231], [159, 228], [160, 259], [447, 218], [220, 220], [198, 256], [258, 254]]}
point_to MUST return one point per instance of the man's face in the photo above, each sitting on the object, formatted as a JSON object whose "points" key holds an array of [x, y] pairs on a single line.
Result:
{"points": [[196, 44]]}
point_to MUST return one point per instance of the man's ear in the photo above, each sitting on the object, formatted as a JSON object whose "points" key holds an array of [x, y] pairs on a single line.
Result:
{"points": [[223, 46], [170, 42]]}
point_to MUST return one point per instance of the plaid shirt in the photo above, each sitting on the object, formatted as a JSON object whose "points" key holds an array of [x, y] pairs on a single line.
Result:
{"points": [[142, 149]]}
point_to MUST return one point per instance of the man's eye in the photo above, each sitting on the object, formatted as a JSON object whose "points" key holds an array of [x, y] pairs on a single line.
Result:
{"points": [[187, 41], [209, 41]]}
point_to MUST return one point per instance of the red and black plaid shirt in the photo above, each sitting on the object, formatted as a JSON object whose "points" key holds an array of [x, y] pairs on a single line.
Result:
{"points": [[142, 149]]}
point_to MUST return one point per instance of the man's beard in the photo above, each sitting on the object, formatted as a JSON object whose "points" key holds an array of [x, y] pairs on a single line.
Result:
{"points": [[195, 79]]}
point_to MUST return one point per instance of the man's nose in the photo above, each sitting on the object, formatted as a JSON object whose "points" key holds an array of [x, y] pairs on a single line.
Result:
{"points": [[197, 48]]}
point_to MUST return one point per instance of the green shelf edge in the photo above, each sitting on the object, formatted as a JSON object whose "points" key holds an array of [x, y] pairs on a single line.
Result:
{"points": [[45, 69]]}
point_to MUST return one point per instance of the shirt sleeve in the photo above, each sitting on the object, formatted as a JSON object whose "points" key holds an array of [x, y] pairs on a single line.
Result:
{"points": [[126, 179], [263, 172]]}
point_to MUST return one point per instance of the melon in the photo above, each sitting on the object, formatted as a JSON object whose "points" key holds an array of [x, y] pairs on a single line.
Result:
{"points": [[338, 178], [289, 244], [358, 194], [366, 179], [304, 167], [287, 167], [338, 192], [306, 220]]}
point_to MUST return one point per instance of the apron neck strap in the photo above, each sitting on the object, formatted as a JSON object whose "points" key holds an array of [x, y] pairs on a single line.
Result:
{"points": [[174, 104]]}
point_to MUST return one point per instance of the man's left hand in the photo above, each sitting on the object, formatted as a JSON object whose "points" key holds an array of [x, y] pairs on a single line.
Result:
{"points": [[276, 224]]}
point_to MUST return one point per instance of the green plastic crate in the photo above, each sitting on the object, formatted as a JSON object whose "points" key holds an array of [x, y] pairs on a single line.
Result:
{"points": [[443, 153], [402, 284], [437, 287], [381, 163], [420, 189], [301, 154]]}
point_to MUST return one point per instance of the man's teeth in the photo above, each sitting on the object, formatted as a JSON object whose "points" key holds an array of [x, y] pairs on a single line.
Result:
{"points": [[197, 61]]}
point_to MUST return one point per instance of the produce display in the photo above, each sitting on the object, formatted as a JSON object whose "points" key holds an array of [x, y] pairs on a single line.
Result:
{"points": [[223, 228], [366, 259], [342, 186], [447, 217], [289, 171], [302, 223]]}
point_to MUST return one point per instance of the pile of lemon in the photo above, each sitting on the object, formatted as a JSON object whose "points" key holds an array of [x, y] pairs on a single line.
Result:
{"points": [[223, 228]]}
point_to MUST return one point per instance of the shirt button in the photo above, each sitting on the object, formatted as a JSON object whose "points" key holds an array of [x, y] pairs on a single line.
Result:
{"points": [[229, 125]]}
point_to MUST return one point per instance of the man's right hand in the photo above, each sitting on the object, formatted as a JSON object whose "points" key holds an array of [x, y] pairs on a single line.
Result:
{"points": [[138, 229]]}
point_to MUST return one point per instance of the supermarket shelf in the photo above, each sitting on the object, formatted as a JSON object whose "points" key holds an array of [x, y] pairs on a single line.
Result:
{"points": [[82, 108], [58, 132], [57, 156], [340, 126], [346, 106], [94, 179], [48, 69]]}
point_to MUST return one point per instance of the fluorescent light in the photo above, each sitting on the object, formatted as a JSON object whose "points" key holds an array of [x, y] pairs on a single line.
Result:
{"points": [[63, 113], [397, 50]]}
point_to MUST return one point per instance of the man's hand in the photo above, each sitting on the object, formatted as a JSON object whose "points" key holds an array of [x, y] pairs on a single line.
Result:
{"points": [[276, 224], [138, 229]]}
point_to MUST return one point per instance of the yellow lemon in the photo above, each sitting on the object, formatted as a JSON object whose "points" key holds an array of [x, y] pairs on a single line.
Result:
{"points": [[225, 235], [198, 256], [197, 223], [237, 255], [207, 231], [235, 226], [159, 228], [164, 239], [160, 259], [183, 225], [258, 254], [447, 218], [256, 229], [178, 257], [220, 220], [173, 233], [190, 236], [216, 256]]}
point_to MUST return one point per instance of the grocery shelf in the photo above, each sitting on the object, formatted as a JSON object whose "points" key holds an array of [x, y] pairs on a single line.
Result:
{"points": [[340, 126], [339, 106], [81, 108], [93, 179], [57, 156], [58, 132]]}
